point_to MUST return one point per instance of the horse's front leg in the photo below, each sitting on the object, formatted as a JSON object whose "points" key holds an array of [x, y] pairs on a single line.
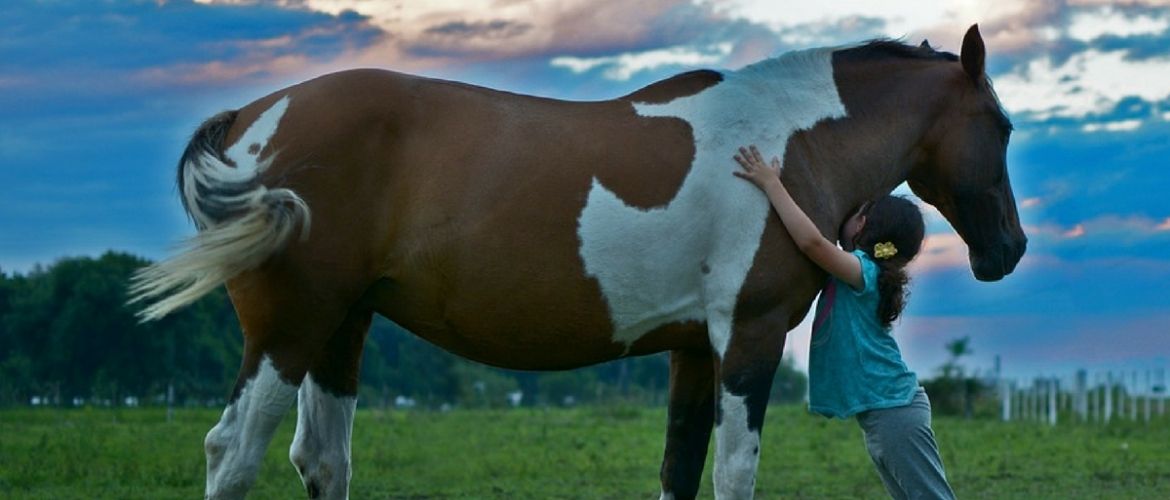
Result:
{"points": [[690, 417], [326, 404], [744, 374]]}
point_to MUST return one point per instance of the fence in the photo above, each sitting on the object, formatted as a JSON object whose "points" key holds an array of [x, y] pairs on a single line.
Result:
{"points": [[1103, 397]]}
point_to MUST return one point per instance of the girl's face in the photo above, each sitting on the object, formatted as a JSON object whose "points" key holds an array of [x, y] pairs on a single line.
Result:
{"points": [[851, 228]]}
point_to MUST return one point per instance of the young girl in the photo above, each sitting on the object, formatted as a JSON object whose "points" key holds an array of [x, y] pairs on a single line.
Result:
{"points": [[855, 367]]}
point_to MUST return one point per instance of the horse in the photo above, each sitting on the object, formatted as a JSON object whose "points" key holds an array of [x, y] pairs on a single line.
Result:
{"points": [[540, 234]]}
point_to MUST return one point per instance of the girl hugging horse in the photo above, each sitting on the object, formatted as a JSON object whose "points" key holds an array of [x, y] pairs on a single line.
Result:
{"points": [[855, 366]]}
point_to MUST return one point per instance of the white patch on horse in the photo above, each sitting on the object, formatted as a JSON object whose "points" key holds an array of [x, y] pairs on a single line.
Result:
{"points": [[246, 151], [235, 446], [321, 447], [649, 263], [737, 449]]}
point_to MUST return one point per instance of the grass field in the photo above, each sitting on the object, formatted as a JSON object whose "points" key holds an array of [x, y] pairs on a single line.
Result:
{"points": [[590, 453]]}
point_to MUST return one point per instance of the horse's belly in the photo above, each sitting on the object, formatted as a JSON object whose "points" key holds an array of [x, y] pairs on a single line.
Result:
{"points": [[531, 328]]}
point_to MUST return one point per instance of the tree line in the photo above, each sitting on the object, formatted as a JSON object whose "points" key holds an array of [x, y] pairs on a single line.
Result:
{"points": [[68, 338]]}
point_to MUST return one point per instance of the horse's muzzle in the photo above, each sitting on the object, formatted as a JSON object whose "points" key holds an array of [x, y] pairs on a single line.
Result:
{"points": [[1000, 262]]}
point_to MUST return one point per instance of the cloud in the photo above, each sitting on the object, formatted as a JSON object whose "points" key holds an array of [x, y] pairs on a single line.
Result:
{"points": [[1076, 232], [1087, 26], [221, 72], [622, 66], [1108, 234], [444, 37], [1091, 82], [91, 47], [1114, 126], [940, 251], [1070, 60], [897, 16], [486, 29], [492, 30], [1126, 227], [1105, 233]]}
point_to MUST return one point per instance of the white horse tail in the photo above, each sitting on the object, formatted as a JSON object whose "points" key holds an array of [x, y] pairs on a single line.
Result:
{"points": [[241, 224]]}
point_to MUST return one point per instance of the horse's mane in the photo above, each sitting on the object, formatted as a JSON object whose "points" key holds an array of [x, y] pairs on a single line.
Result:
{"points": [[887, 47], [878, 48]]}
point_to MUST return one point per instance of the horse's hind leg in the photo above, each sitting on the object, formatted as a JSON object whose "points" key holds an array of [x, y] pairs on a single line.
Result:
{"points": [[690, 417], [328, 397], [235, 446], [283, 333]]}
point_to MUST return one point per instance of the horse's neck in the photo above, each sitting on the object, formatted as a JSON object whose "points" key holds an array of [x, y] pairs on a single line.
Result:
{"points": [[856, 143], [871, 150]]}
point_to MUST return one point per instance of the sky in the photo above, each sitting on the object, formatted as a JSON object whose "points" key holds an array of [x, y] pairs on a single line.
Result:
{"points": [[98, 99]]}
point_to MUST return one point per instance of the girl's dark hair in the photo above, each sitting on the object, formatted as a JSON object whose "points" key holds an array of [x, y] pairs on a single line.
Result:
{"points": [[896, 220]]}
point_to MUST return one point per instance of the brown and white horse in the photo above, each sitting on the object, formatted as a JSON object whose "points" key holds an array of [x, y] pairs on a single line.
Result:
{"points": [[539, 234]]}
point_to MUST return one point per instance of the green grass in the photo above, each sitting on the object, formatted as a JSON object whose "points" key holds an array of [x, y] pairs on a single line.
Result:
{"points": [[593, 453]]}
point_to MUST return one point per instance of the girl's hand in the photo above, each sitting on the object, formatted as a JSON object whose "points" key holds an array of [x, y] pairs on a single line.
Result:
{"points": [[754, 168]]}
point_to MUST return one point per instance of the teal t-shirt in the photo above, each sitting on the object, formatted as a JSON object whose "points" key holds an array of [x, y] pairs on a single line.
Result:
{"points": [[854, 364]]}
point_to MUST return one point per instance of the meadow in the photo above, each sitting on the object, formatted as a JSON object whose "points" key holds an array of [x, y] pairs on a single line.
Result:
{"points": [[599, 452]]}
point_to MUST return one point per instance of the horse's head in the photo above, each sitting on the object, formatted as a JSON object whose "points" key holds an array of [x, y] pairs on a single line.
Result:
{"points": [[964, 171]]}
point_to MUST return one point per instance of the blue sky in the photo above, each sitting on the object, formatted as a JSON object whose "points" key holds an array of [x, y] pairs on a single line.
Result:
{"points": [[97, 99]]}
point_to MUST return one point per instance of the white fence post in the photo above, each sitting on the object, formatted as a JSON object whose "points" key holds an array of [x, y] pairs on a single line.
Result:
{"points": [[1100, 397], [1029, 402], [1108, 397], [1162, 392], [1119, 396], [1149, 393], [1005, 398], [1132, 396], [1081, 398]]}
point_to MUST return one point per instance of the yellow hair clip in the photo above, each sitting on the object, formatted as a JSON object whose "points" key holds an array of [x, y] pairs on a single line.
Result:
{"points": [[884, 250]]}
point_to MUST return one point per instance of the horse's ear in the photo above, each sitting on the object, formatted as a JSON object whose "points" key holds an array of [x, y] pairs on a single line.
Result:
{"points": [[926, 44], [973, 53]]}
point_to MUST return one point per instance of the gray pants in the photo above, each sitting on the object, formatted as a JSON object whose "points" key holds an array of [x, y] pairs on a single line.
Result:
{"points": [[902, 447]]}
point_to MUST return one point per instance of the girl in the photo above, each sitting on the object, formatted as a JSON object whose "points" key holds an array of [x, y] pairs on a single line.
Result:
{"points": [[855, 367]]}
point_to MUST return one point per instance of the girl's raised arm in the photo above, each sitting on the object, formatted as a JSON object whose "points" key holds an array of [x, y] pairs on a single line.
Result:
{"points": [[808, 238]]}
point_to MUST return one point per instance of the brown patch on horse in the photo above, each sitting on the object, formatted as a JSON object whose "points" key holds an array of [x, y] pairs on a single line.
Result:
{"points": [[656, 182], [657, 164], [680, 85]]}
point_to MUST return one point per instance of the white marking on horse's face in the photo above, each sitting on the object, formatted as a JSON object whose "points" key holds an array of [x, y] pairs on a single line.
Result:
{"points": [[245, 153], [649, 262], [235, 446], [321, 447], [737, 449]]}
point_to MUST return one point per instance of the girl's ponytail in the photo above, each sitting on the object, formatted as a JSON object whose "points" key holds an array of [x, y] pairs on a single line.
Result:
{"points": [[892, 236], [892, 281]]}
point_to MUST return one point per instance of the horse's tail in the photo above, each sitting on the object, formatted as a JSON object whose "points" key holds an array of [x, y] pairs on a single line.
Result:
{"points": [[241, 223]]}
